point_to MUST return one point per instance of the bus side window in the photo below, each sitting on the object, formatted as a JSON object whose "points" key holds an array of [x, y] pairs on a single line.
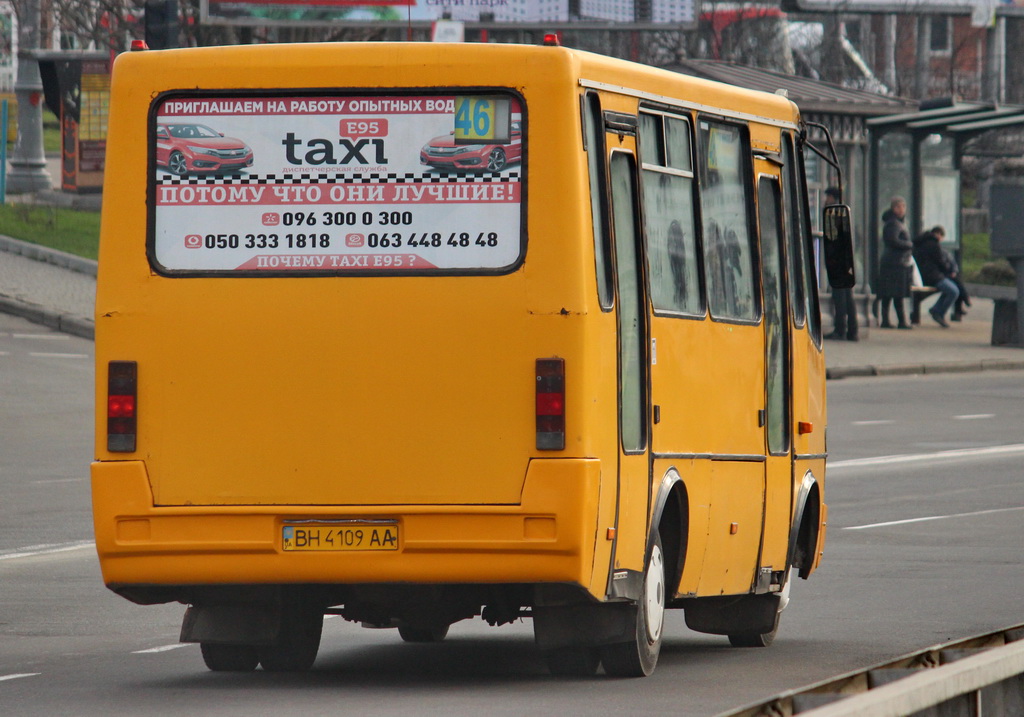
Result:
{"points": [[669, 222], [725, 199], [796, 228], [632, 306], [808, 259], [593, 129]]}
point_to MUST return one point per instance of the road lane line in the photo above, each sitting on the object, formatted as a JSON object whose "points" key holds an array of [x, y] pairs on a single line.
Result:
{"points": [[23, 674], [29, 551], [932, 517], [974, 416], [1008, 450], [58, 480], [162, 648], [877, 422], [39, 354], [49, 337]]}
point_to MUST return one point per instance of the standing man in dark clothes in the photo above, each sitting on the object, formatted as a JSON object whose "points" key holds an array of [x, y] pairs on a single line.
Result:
{"points": [[844, 310]]}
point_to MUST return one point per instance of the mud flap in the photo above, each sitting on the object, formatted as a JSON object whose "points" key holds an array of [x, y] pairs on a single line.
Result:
{"points": [[231, 624], [583, 625], [744, 614]]}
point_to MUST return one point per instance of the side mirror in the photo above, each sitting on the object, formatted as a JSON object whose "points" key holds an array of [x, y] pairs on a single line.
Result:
{"points": [[838, 245]]}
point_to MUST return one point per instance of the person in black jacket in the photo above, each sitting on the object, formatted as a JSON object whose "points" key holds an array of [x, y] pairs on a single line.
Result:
{"points": [[844, 310], [937, 269], [895, 267]]}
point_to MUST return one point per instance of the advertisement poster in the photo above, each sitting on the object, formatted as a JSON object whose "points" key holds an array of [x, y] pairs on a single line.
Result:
{"points": [[337, 184]]}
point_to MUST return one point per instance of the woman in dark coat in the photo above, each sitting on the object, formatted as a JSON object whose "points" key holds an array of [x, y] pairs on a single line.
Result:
{"points": [[895, 267]]}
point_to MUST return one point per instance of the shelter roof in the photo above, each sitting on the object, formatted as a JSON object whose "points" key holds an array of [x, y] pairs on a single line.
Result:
{"points": [[811, 96]]}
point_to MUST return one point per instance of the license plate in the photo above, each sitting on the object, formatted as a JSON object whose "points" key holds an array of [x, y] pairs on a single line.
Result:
{"points": [[347, 536]]}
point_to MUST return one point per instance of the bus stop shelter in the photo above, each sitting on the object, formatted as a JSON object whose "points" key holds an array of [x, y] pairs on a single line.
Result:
{"points": [[918, 155]]}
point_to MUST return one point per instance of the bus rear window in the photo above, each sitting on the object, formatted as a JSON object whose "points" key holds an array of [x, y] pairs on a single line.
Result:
{"points": [[272, 184]]}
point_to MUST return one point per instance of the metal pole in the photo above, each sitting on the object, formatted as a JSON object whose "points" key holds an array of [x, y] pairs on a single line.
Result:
{"points": [[3, 152], [28, 162], [1018, 266], [994, 74], [923, 70]]}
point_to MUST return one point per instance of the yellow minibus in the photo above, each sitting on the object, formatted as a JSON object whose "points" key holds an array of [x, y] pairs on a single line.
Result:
{"points": [[417, 333]]}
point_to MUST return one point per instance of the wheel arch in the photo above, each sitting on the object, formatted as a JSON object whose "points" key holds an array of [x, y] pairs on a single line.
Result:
{"points": [[803, 536], [670, 518]]}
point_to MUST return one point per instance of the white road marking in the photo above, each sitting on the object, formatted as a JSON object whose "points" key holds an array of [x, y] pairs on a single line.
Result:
{"points": [[974, 416], [29, 551], [39, 354], [873, 423], [18, 676], [58, 480], [1008, 450], [45, 337], [933, 517], [162, 648]]}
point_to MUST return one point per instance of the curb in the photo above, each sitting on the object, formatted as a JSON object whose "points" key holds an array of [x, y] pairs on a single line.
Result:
{"points": [[50, 256], [65, 323], [841, 372], [39, 315]]}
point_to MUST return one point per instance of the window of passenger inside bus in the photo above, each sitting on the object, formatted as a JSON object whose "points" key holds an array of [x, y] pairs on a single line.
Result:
{"points": [[668, 214], [724, 199]]}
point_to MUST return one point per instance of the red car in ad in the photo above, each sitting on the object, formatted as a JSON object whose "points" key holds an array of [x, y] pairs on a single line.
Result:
{"points": [[442, 152], [191, 148]]}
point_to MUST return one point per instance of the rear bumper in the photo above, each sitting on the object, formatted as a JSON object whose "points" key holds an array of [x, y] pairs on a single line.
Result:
{"points": [[548, 537]]}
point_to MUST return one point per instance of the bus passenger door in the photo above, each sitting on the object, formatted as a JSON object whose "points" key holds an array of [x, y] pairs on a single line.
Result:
{"points": [[777, 424], [633, 362]]}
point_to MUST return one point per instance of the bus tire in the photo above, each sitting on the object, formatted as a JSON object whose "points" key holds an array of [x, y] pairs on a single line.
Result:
{"points": [[296, 648], [229, 658], [765, 639], [573, 661], [638, 657], [423, 634], [753, 639]]}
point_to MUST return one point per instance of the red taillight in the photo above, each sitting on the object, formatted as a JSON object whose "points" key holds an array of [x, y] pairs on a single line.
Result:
{"points": [[550, 405], [122, 416]]}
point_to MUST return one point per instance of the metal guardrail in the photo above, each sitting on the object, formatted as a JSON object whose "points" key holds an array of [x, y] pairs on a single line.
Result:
{"points": [[981, 676]]}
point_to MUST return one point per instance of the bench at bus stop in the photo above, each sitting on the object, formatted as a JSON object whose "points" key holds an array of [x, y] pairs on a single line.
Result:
{"points": [[1004, 314], [918, 294]]}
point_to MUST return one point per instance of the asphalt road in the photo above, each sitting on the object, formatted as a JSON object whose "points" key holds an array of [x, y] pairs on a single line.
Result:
{"points": [[922, 548]]}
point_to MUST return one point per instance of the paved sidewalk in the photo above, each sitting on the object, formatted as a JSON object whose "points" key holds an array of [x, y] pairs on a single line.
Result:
{"points": [[927, 348], [58, 290], [47, 287]]}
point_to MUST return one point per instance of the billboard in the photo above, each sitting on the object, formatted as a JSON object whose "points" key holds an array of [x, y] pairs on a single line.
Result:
{"points": [[518, 12], [336, 184]]}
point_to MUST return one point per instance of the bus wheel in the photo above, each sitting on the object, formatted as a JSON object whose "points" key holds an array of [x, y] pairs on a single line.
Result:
{"points": [[764, 639], [638, 657], [230, 658], [496, 159], [573, 661], [753, 639], [423, 634], [177, 164], [296, 649]]}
